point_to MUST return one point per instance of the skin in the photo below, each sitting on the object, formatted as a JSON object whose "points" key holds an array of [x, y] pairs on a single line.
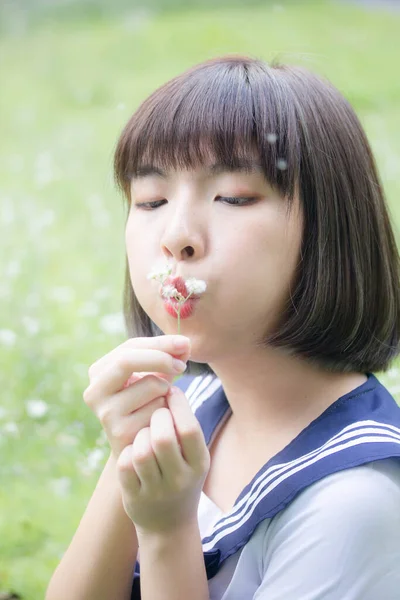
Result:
{"points": [[247, 255]]}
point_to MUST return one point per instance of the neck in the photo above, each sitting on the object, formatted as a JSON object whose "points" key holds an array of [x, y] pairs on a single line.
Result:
{"points": [[272, 391]]}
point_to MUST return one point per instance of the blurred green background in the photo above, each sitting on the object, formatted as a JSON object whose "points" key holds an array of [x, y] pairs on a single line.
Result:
{"points": [[71, 74]]}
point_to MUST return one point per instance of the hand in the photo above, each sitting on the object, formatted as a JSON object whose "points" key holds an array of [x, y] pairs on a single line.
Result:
{"points": [[121, 410], [162, 473]]}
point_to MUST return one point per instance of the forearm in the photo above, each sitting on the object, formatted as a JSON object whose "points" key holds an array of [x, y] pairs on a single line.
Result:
{"points": [[172, 566], [99, 562]]}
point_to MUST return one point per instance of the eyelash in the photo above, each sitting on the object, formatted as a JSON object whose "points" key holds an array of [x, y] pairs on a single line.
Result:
{"points": [[150, 205]]}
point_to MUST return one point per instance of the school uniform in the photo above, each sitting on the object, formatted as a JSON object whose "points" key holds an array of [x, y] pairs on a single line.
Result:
{"points": [[321, 519]]}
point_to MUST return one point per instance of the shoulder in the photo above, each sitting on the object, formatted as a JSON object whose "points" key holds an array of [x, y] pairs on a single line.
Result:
{"points": [[365, 496], [377, 481], [340, 537]]}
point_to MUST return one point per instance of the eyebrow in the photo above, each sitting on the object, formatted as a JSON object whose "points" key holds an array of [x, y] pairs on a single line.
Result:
{"points": [[214, 169]]}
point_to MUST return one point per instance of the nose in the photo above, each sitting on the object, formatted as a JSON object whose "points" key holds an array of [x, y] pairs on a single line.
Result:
{"points": [[183, 235]]}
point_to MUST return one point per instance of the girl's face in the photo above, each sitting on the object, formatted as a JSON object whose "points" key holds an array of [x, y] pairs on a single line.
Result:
{"points": [[246, 252]]}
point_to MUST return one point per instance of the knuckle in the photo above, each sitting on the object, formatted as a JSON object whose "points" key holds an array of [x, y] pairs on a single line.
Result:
{"points": [[104, 415], [123, 363], [178, 482], [161, 440], [159, 402], [117, 430], [143, 451], [190, 433], [160, 386], [155, 384], [91, 370], [87, 396]]}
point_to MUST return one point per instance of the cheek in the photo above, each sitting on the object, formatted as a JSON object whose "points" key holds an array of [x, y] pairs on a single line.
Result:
{"points": [[267, 258], [139, 261]]}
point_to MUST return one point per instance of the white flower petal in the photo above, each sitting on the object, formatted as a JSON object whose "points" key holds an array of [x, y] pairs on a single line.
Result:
{"points": [[195, 286], [7, 337], [61, 486], [11, 428], [160, 273], [36, 408], [169, 291], [113, 323]]}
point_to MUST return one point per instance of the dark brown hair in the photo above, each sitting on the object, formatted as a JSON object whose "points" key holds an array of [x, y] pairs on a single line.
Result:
{"points": [[343, 312]]}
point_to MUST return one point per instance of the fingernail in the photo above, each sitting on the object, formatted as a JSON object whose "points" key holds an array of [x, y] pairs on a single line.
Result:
{"points": [[178, 365]]}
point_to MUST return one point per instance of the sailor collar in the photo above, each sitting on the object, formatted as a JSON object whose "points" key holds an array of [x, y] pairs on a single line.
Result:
{"points": [[360, 427]]}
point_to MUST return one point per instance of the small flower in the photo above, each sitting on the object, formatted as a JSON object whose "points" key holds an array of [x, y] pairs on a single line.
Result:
{"points": [[161, 273], [195, 286], [11, 428], [113, 323], [36, 408], [7, 337], [61, 486], [272, 137], [169, 291]]}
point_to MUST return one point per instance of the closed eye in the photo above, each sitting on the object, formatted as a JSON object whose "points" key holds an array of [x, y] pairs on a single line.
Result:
{"points": [[233, 201]]}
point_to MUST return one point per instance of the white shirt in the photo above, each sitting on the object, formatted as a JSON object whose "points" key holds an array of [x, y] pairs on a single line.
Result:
{"points": [[339, 539]]}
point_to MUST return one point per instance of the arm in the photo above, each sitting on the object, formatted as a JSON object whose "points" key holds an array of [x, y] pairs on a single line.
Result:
{"points": [[338, 540], [99, 562], [172, 566]]}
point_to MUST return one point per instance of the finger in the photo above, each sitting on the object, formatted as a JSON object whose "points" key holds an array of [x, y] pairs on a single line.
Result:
{"points": [[144, 461], [130, 414], [117, 373], [126, 472], [164, 343], [165, 443], [188, 430]]}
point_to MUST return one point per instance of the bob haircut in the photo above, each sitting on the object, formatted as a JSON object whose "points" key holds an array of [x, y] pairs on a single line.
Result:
{"points": [[343, 313]]}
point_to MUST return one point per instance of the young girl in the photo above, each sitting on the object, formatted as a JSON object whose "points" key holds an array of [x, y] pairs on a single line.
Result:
{"points": [[271, 470]]}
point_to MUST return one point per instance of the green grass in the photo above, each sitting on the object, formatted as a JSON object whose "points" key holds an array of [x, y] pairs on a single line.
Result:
{"points": [[66, 91]]}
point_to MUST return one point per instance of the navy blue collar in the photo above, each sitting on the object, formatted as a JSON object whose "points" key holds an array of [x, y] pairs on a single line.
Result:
{"points": [[359, 427]]}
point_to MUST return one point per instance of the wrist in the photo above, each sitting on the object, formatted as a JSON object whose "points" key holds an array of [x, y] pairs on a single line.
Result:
{"points": [[168, 536]]}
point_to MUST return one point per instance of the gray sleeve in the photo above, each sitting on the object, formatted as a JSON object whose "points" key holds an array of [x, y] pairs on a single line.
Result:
{"points": [[337, 540]]}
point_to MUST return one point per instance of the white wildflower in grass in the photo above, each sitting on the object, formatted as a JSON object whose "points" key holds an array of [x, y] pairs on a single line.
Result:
{"points": [[32, 326], [13, 268], [36, 408], [89, 309], [92, 461], [193, 286], [61, 486], [272, 137], [65, 439], [393, 373], [62, 294], [113, 323], [11, 428], [7, 337]]}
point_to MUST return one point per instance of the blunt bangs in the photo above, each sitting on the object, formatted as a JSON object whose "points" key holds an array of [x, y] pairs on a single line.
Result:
{"points": [[222, 112]]}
